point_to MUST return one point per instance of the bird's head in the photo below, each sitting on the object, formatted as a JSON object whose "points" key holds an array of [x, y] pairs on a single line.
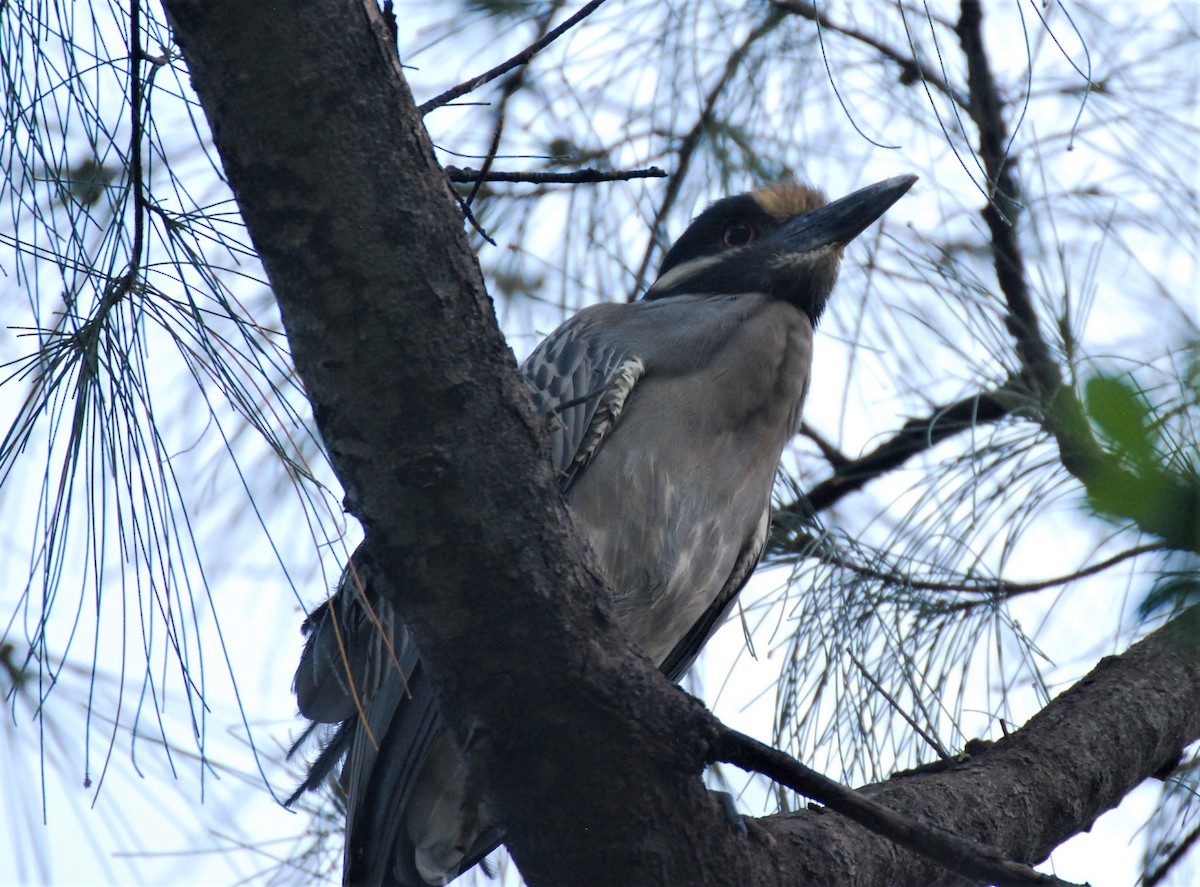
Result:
{"points": [[784, 240]]}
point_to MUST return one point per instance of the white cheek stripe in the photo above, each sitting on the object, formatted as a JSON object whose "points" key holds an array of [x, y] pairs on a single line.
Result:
{"points": [[684, 271]]}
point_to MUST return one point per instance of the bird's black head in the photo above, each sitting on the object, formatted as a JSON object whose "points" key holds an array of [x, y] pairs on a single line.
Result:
{"points": [[783, 240]]}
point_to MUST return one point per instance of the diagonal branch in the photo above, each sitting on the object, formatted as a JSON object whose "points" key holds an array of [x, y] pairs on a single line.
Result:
{"points": [[521, 58], [914, 437], [1026, 793], [961, 855], [912, 70], [1175, 516], [989, 590]]}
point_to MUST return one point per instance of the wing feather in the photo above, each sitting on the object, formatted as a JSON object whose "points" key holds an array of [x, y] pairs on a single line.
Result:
{"points": [[581, 384]]}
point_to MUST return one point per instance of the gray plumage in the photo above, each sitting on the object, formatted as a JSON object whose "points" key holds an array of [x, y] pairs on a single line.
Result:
{"points": [[667, 421]]}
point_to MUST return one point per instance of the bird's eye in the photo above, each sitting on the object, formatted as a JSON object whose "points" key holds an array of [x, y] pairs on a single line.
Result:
{"points": [[737, 234]]}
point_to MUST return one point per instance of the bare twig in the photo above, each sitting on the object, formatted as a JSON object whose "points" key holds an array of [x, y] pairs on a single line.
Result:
{"points": [[1003, 590], [510, 89], [470, 216], [136, 55], [503, 68], [915, 436], [930, 739], [963, 856], [989, 590], [578, 177], [1154, 878], [912, 69]]}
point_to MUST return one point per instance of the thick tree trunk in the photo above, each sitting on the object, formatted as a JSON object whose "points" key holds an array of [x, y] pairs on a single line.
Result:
{"points": [[592, 758], [585, 753]]}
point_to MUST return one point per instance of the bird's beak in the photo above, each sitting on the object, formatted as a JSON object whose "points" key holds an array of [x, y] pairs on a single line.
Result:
{"points": [[840, 222]]}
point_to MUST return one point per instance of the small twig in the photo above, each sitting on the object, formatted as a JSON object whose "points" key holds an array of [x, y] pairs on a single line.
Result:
{"points": [[965, 857], [1181, 848], [510, 89], [136, 56], [834, 456], [470, 216], [989, 590], [503, 68], [1007, 590], [466, 175], [930, 739], [914, 437], [912, 69]]}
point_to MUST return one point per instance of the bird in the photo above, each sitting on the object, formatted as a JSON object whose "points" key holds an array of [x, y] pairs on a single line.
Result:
{"points": [[667, 418]]}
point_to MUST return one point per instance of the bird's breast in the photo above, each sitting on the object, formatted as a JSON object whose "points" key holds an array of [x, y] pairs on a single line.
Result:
{"points": [[680, 486]]}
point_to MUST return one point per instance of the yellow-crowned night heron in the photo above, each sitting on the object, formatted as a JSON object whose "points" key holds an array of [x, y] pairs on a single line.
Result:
{"points": [[668, 418]]}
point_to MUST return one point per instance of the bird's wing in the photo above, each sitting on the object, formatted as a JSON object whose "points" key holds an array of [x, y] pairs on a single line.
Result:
{"points": [[360, 668], [354, 641], [580, 382], [684, 653]]}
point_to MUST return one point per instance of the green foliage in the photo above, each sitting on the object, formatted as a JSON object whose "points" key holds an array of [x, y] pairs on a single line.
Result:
{"points": [[1147, 480]]}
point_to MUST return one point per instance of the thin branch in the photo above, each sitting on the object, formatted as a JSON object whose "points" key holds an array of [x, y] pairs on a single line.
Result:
{"points": [[963, 856], [588, 176], [510, 89], [1173, 511], [1002, 211], [990, 590], [517, 60], [136, 55], [1003, 590], [914, 437], [833, 455], [1156, 877], [931, 740], [469, 216], [911, 68]]}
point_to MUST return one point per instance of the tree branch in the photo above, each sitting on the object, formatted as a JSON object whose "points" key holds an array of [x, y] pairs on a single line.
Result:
{"points": [[1028, 792], [914, 437], [989, 590], [1062, 412], [521, 58], [578, 177], [965, 857]]}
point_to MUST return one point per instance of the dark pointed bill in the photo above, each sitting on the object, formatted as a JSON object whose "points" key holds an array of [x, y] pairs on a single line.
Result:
{"points": [[839, 222]]}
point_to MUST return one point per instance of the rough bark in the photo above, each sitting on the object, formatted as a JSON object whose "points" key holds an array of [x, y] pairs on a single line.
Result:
{"points": [[1029, 792], [585, 753]]}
